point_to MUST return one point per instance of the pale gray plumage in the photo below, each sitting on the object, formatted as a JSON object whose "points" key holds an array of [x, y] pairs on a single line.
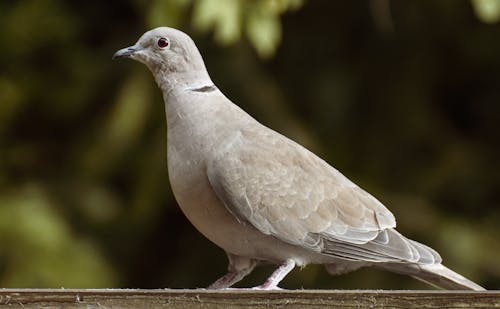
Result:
{"points": [[259, 195]]}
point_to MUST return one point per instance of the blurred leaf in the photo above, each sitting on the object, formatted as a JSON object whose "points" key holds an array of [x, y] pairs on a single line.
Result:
{"points": [[464, 247], [124, 124], [97, 203], [167, 12], [488, 11], [278, 6], [39, 249], [128, 116], [11, 99], [224, 16], [229, 19], [33, 24], [264, 32]]}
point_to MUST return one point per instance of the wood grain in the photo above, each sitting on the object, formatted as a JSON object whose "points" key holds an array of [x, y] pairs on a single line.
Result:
{"points": [[207, 299]]}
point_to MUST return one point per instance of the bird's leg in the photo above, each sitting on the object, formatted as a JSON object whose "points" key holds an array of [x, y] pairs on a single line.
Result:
{"points": [[238, 268], [272, 282]]}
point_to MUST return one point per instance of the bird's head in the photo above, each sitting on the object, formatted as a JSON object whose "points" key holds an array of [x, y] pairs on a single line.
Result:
{"points": [[165, 50]]}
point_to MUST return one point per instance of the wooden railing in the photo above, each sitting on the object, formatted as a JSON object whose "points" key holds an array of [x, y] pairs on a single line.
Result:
{"points": [[207, 299]]}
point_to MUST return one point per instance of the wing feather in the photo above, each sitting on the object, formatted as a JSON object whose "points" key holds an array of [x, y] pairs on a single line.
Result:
{"points": [[284, 190]]}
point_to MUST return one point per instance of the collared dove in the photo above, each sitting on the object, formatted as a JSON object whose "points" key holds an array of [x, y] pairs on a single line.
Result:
{"points": [[261, 196]]}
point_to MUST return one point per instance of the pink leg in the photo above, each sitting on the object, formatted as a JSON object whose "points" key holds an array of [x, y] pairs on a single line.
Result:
{"points": [[278, 275], [238, 268]]}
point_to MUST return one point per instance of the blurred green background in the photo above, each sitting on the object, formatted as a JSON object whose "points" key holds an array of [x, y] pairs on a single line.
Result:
{"points": [[403, 97]]}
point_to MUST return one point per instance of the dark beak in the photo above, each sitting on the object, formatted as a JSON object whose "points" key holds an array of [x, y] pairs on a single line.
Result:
{"points": [[127, 52]]}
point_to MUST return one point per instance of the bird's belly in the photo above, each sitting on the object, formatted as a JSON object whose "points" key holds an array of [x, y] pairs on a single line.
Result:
{"points": [[204, 210], [207, 213]]}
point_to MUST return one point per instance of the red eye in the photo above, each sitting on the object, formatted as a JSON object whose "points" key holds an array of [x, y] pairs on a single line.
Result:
{"points": [[163, 42]]}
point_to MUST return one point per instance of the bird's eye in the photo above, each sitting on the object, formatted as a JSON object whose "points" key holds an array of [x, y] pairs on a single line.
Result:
{"points": [[163, 42]]}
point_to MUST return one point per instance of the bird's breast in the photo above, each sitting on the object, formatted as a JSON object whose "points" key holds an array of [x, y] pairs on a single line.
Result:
{"points": [[200, 204]]}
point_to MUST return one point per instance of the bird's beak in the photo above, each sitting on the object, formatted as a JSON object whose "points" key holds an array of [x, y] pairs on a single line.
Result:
{"points": [[127, 51]]}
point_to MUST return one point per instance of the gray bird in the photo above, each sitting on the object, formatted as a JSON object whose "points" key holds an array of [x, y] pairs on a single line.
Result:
{"points": [[261, 196]]}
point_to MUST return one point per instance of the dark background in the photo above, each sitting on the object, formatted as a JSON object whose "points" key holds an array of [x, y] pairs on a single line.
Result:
{"points": [[404, 101]]}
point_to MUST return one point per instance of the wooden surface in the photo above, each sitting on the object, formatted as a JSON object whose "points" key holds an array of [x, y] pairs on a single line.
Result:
{"points": [[60, 298]]}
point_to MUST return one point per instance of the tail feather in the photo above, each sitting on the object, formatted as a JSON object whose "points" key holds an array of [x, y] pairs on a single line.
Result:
{"points": [[434, 274]]}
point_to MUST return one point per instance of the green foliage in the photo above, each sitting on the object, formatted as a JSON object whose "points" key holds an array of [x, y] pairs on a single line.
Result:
{"points": [[230, 19], [487, 11], [259, 20], [37, 248]]}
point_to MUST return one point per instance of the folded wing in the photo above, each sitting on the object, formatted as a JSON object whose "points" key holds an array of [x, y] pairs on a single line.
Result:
{"points": [[284, 190]]}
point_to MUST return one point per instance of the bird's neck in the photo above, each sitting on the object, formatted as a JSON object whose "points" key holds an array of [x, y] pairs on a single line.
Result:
{"points": [[180, 81], [186, 96]]}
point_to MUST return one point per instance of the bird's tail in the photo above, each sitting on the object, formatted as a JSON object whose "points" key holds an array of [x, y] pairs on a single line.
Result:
{"points": [[434, 274]]}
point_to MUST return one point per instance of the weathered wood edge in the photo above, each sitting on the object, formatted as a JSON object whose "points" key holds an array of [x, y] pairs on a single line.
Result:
{"points": [[201, 298]]}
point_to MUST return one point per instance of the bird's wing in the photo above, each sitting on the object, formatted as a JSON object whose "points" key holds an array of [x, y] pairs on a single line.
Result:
{"points": [[284, 190]]}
